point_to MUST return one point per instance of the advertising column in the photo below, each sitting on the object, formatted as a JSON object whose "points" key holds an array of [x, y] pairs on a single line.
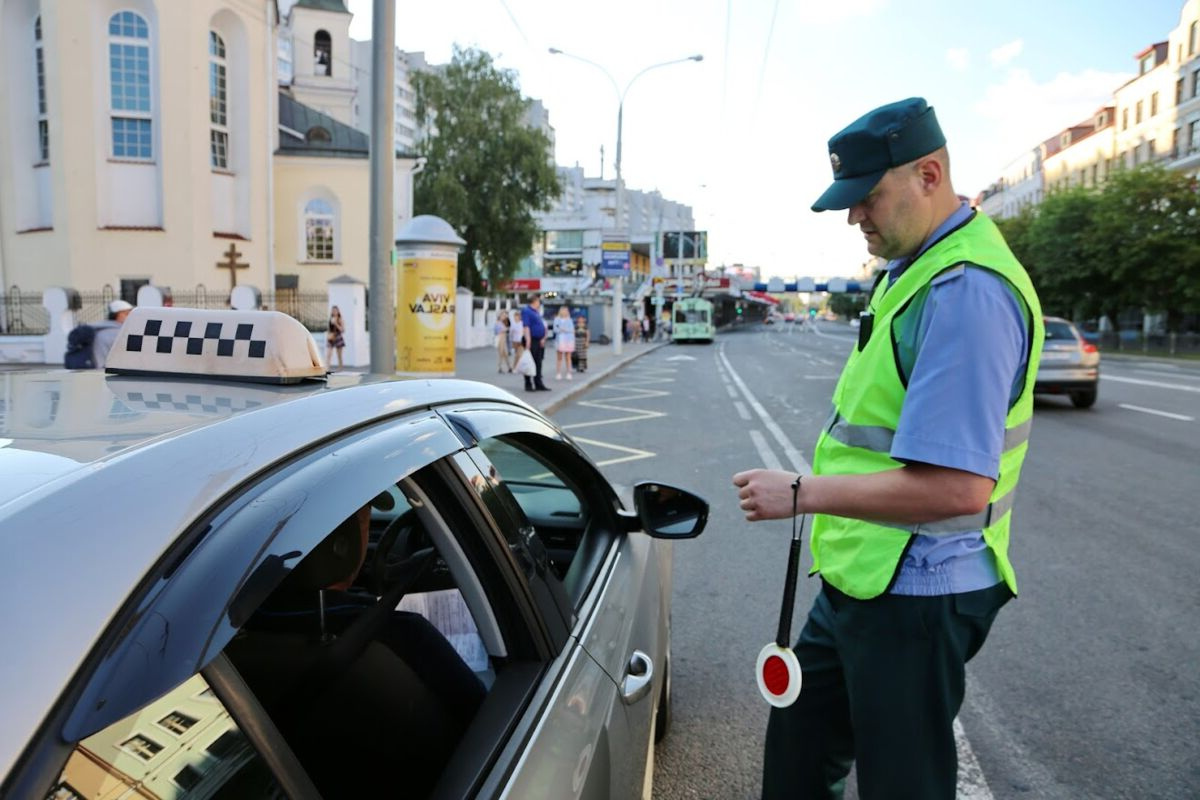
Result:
{"points": [[426, 278]]}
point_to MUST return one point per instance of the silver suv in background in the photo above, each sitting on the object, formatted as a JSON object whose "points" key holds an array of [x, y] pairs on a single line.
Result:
{"points": [[1070, 364]]}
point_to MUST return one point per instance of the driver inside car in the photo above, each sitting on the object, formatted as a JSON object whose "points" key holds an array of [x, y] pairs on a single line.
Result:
{"points": [[323, 654]]}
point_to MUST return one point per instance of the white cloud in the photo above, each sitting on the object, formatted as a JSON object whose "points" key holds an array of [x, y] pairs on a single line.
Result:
{"points": [[1021, 113], [959, 58], [1005, 53]]}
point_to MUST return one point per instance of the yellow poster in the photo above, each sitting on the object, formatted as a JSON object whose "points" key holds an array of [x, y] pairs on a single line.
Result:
{"points": [[425, 295]]}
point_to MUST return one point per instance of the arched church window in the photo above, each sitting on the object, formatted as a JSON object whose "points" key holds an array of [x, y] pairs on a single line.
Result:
{"points": [[130, 109], [322, 53], [218, 102], [43, 125], [319, 225]]}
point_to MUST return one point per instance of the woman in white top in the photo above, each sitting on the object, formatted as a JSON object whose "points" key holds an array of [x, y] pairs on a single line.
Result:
{"points": [[516, 335], [564, 342]]}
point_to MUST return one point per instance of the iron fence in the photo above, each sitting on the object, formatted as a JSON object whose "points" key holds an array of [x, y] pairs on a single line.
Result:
{"points": [[1134, 342], [22, 313], [311, 308]]}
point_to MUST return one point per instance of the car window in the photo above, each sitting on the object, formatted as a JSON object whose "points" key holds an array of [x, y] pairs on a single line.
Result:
{"points": [[367, 656], [1059, 331], [183, 744], [546, 486]]}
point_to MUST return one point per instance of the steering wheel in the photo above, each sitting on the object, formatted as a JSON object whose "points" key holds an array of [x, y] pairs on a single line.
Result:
{"points": [[404, 534]]}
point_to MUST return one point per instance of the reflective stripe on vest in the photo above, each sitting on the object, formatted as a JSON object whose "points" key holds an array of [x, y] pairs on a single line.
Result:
{"points": [[879, 439]]}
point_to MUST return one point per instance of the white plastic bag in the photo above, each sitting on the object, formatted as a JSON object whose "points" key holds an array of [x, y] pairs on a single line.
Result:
{"points": [[525, 365]]}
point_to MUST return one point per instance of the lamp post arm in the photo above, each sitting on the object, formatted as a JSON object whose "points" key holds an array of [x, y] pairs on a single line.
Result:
{"points": [[621, 96]]}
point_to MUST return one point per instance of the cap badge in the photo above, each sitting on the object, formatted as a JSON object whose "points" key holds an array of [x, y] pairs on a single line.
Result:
{"points": [[835, 161]]}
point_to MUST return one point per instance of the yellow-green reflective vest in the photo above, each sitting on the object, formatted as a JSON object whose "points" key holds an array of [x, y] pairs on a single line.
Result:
{"points": [[861, 558]]}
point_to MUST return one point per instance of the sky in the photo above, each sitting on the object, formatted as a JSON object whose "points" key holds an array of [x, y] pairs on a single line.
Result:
{"points": [[741, 136]]}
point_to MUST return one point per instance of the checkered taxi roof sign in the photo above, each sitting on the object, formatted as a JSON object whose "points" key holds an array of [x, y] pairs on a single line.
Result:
{"points": [[261, 346]]}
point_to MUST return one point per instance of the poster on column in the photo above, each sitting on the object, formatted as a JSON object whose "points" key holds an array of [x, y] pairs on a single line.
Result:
{"points": [[425, 295]]}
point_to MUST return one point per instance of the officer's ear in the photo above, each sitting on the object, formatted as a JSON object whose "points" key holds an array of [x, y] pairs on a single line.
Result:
{"points": [[931, 173]]}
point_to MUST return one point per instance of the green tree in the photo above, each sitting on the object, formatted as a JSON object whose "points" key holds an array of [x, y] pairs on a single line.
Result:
{"points": [[1063, 254], [486, 172], [1148, 229], [847, 304]]}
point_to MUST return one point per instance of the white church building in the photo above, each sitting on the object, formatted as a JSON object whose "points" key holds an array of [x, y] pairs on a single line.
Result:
{"points": [[182, 145]]}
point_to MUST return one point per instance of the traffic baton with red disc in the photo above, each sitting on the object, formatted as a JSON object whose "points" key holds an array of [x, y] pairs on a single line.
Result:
{"points": [[778, 668]]}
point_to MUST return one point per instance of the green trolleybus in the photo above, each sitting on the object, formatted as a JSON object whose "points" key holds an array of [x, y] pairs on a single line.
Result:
{"points": [[693, 320]]}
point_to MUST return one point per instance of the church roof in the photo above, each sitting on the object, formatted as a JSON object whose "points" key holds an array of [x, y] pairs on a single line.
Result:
{"points": [[324, 5], [304, 131]]}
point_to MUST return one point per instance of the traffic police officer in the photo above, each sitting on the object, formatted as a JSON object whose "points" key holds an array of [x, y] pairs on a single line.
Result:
{"points": [[914, 475]]}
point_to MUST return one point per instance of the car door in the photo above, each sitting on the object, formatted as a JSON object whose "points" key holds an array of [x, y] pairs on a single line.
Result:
{"points": [[215, 680], [597, 730]]}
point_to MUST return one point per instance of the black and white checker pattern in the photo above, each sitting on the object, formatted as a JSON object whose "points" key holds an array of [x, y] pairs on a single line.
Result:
{"points": [[188, 401], [153, 340]]}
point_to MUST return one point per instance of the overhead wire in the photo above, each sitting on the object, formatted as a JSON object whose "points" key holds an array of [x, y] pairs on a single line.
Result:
{"points": [[766, 55]]}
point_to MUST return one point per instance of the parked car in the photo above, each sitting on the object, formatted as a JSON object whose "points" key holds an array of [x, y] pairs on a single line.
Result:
{"points": [[1070, 364], [341, 586]]}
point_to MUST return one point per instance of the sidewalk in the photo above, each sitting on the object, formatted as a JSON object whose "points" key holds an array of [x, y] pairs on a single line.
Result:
{"points": [[479, 364]]}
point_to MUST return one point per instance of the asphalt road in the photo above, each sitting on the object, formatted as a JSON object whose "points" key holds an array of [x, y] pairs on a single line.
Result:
{"points": [[1088, 685]]}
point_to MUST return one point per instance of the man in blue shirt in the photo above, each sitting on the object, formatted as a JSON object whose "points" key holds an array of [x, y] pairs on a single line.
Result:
{"points": [[535, 340], [884, 677]]}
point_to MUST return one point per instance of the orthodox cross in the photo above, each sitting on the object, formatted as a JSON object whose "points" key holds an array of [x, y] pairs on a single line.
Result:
{"points": [[232, 264]]}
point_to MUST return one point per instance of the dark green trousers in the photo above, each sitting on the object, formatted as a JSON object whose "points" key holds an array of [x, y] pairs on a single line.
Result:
{"points": [[883, 680]]}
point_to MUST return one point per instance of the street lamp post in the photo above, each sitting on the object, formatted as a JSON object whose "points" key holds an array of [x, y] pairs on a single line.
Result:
{"points": [[618, 289]]}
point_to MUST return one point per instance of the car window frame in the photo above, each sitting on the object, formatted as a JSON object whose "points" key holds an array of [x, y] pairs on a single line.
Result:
{"points": [[478, 421]]}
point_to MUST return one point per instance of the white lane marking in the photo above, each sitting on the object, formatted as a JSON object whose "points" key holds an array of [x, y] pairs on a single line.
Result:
{"points": [[1174, 373], [1156, 412], [631, 392], [821, 377], [633, 453], [798, 462], [764, 450], [1159, 384], [972, 785], [634, 415], [682, 358], [743, 412], [732, 392]]}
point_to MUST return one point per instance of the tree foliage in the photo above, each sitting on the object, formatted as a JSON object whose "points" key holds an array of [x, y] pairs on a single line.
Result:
{"points": [[1133, 243], [847, 305], [486, 172]]}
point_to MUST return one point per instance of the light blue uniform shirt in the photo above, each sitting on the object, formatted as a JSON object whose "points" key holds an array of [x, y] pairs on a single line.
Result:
{"points": [[953, 415]]}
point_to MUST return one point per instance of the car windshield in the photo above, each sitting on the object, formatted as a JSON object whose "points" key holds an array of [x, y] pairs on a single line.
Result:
{"points": [[1059, 331]]}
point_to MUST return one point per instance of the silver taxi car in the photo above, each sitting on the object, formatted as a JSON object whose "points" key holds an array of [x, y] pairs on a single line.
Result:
{"points": [[219, 586]]}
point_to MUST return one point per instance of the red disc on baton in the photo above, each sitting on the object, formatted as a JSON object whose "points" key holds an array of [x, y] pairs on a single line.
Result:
{"points": [[779, 676]]}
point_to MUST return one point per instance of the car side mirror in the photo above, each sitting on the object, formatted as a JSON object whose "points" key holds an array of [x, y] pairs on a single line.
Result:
{"points": [[667, 512]]}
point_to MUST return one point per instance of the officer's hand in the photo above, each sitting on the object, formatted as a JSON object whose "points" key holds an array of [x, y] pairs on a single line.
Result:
{"points": [[765, 493]]}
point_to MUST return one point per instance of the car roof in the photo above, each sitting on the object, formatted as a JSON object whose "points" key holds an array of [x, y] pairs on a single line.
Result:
{"points": [[100, 474]]}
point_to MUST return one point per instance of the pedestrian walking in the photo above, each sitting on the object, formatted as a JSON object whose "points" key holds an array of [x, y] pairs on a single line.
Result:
{"points": [[580, 357], [500, 335], [913, 477], [535, 340], [516, 336], [564, 343], [335, 337]]}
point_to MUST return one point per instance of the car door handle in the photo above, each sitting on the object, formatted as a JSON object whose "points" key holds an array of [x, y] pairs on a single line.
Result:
{"points": [[639, 677]]}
